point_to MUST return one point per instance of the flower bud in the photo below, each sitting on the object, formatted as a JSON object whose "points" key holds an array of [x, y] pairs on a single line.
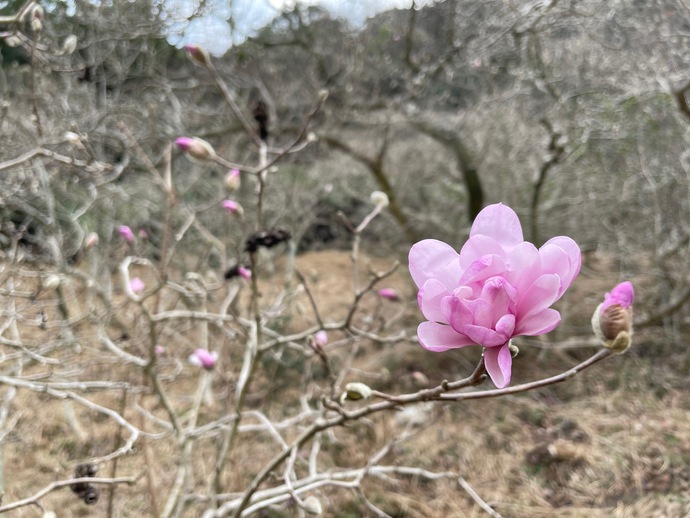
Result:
{"points": [[137, 285], [203, 358], [70, 44], [356, 391], [379, 198], [51, 282], [245, 273], [234, 208], [312, 506], [12, 41], [232, 180], [126, 233], [612, 320], [91, 240], [389, 294], [195, 148], [159, 350], [197, 54], [36, 25], [72, 138], [321, 338]]}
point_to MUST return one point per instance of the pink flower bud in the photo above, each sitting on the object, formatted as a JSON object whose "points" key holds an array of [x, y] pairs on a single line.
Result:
{"points": [[159, 350], [232, 207], [389, 294], [90, 240], [126, 233], [245, 273], [203, 358], [321, 338], [612, 320], [197, 54], [232, 180], [137, 285], [195, 148]]}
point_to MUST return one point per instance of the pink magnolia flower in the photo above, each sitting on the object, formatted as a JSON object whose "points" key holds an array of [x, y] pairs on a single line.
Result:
{"points": [[126, 233], [137, 285], [389, 293], [622, 295], [496, 288], [203, 358]]}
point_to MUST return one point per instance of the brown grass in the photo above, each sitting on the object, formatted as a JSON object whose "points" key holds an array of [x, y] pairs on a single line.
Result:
{"points": [[612, 442]]}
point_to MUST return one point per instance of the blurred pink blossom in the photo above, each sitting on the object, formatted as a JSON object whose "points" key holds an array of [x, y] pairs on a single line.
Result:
{"points": [[137, 285], [203, 358], [126, 233], [233, 207], [198, 54], [232, 180], [496, 288], [245, 273], [389, 293], [159, 350], [612, 321], [195, 148], [321, 338]]}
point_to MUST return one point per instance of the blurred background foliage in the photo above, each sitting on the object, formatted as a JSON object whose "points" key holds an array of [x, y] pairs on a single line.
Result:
{"points": [[572, 112]]}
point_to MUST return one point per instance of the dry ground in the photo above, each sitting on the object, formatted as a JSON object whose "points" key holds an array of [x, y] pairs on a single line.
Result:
{"points": [[612, 442]]}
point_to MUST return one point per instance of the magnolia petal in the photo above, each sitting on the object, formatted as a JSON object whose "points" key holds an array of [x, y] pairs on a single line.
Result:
{"points": [[572, 250], [498, 362], [500, 222], [523, 265], [431, 298], [538, 323], [540, 295], [501, 296], [479, 246], [623, 295], [483, 268], [438, 338], [485, 336], [506, 325], [433, 259]]}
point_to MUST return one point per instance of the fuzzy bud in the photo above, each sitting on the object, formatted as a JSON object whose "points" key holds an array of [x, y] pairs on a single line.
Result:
{"points": [[195, 148], [389, 294], [51, 282], [197, 54], [72, 138], [232, 180], [12, 41], [232, 207], [612, 321], [356, 391], [36, 25], [312, 506], [126, 233], [91, 240], [203, 358], [70, 44], [380, 199]]}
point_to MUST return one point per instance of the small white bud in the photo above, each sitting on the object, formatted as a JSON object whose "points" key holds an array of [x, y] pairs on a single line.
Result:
{"points": [[36, 25], [312, 505], [356, 391], [311, 137], [379, 198], [51, 282], [13, 41], [70, 44], [72, 137]]}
